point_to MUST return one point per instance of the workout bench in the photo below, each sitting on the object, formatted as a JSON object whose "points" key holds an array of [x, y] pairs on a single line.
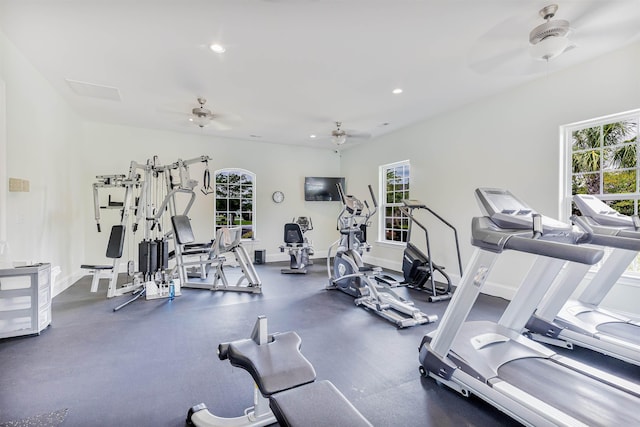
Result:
{"points": [[286, 384], [114, 251]]}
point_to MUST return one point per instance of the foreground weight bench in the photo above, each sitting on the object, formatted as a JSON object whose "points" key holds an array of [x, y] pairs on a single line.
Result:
{"points": [[288, 393]]}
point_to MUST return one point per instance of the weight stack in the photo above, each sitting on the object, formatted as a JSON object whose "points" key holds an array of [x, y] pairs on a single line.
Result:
{"points": [[148, 257], [163, 253]]}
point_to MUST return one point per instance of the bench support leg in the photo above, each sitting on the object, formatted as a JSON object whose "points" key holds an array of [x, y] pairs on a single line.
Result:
{"points": [[258, 415]]}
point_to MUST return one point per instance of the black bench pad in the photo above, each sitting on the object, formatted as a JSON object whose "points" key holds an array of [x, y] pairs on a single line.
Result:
{"points": [[96, 267], [318, 404], [275, 366]]}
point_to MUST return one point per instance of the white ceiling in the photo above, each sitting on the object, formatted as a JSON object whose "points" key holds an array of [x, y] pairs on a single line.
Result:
{"points": [[294, 67]]}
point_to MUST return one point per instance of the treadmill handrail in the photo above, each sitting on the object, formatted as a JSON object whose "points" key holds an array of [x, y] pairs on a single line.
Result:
{"points": [[608, 236], [486, 236], [559, 250]]}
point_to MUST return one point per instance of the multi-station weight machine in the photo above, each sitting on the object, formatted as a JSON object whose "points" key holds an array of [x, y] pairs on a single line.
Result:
{"points": [[152, 193]]}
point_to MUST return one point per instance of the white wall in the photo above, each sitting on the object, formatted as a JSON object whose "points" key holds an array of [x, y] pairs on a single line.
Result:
{"points": [[42, 140], [3, 168], [509, 140], [109, 149]]}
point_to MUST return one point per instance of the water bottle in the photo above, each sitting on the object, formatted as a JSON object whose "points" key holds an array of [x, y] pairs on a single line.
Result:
{"points": [[172, 290]]}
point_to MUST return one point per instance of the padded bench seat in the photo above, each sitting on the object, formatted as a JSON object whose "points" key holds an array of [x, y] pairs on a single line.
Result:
{"points": [[317, 404], [99, 272], [287, 378], [96, 267], [275, 366]]}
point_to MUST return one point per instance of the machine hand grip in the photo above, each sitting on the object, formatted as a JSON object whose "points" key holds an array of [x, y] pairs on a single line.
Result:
{"points": [[566, 251], [223, 351], [373, 197], [341, 193]]}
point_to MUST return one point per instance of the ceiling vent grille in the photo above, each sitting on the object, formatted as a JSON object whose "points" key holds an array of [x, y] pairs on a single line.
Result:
{"points": [[94, 90]]}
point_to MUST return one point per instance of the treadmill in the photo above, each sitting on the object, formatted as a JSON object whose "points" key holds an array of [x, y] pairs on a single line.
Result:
{"points": [[565, 321], [494, 360]]}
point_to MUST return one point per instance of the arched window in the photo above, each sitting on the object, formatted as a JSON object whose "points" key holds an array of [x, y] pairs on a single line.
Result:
{"points": [[235, 192]]}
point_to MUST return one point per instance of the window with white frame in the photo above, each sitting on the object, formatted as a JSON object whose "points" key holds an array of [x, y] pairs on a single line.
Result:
{"points": [[394, 186], [234, 205], [601, 159]]}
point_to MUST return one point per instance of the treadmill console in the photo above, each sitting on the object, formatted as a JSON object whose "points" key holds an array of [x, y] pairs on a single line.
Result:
{"points": [[602, 213], [508, 212]]}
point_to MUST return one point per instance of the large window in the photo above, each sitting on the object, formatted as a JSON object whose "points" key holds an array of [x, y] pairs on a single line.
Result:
{"points": [[604, 160], [235, 189], [601, 159], [394, 185]]}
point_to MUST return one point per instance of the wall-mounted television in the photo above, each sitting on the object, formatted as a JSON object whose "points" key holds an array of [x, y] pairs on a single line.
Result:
{"points": [[322, 189]]}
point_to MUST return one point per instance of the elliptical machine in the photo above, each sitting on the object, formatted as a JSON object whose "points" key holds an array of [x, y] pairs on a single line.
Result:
{"points": [[418, 268], [298, 245], [350, 275]]}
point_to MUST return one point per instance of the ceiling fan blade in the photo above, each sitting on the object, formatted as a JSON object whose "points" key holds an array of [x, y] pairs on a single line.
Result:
{"points": [[355, 134], [608, 14], [601, 23], [496, 62], [183, 109], [622, 31], [503, 47], [218, 125]]}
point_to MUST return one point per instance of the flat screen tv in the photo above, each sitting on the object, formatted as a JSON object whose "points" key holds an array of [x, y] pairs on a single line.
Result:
{"points": [[322, 189]]}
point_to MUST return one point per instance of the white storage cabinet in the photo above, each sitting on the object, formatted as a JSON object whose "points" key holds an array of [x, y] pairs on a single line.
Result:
{"points": [[25, 300]]}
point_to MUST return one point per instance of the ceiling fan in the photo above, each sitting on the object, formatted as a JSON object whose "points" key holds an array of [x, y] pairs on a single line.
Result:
{"points": [[550, 39], [201, 116], [339, 136], [591, 26]]}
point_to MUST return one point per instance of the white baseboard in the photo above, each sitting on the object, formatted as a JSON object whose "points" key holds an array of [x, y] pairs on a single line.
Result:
{"points": [[63, 283], [489, 288]]}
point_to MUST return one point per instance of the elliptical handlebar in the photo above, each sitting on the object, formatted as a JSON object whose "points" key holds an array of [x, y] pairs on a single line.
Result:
{"points": [[341, 193], [344, 205], [373, 197], [355, 208]]}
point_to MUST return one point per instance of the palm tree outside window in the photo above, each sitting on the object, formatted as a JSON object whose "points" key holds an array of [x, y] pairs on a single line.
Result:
{"points": [[601, 159]]}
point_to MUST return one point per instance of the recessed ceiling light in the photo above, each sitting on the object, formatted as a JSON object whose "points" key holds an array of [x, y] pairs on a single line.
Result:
{"points": [[397, 91], [217, 48], [312, 136]]}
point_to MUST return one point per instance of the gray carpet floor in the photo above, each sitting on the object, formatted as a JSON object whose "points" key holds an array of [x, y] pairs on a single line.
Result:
{"points": [[148, 363]]}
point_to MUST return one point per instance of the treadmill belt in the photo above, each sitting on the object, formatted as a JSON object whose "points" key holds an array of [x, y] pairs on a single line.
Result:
{"points": [[575, 394], [624, 331]]}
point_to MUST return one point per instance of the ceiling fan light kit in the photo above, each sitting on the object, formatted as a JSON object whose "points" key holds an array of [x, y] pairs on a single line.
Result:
{"points": [[338, 136], [200, 115], [200, 121], [549, 48], [339, 139]]}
